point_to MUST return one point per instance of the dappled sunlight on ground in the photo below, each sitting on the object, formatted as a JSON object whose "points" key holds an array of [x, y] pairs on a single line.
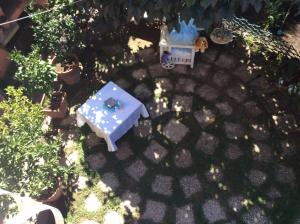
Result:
{"points": [[135, 44], [215, 149]]}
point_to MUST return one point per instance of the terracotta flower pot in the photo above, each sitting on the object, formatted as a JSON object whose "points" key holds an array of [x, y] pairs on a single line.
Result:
{"points": [[55, 196], [72, 75], [59, 111]]}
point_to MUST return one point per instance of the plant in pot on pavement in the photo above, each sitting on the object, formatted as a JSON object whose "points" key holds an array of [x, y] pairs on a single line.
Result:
{"points": [[34, 74], [37, 77], [29, 161], [57, 36]]}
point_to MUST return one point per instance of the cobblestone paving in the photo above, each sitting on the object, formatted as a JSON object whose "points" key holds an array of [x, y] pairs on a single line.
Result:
{"points": [[214, 150]]}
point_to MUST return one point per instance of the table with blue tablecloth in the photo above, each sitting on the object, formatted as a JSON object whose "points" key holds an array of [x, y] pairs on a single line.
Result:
{"points": [[111, 124]]}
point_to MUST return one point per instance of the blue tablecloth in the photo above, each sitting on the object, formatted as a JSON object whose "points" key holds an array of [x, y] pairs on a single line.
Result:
{"points": [[111, 125]]}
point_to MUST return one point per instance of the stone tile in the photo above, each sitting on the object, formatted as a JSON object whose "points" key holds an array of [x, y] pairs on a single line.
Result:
{"points": [[205, 117], [221, 78], [262, 152], [175, 131], [190, 185], [155, 152], [157, 108], [96, 161], [214, 174], [238, 93], [144, 129], [255, 215], [123, 83], [164, 83], [81, 182], [185, 85], [257, 177], [157, 71], [252, 109], [201, 70], [259, 132], [213, 211], [73, 156], [142, 92], [207, 92], [113, 217], [185, 215], [234, 130], [224, 108], [233, 152], [133, 198], [285, 174], [163, 185], [137, 170], [154, 211], [139, 74], [182, 103], [226, 61], [207, 143], [180, 69], [92, 140], [210, 55], [124, 151], [183, 159], [92, 203], [109, 182], [274, 193], [236, 203], [243, 73]]}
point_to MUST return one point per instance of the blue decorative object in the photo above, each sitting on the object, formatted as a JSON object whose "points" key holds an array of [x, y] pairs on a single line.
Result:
{"points": [[165, 57], [187, 35], [111, 104]]}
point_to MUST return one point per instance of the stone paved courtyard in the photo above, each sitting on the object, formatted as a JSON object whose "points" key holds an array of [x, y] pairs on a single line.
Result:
{"points": [[217, 148]]}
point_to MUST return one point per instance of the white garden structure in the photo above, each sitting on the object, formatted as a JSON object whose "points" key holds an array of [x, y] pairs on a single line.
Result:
{"points": [[28, 209], [179, 53]]}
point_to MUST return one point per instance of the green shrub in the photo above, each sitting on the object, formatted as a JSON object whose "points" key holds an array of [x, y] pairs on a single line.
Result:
{"points": [[29, 162], [35, 74], [56, 32]]}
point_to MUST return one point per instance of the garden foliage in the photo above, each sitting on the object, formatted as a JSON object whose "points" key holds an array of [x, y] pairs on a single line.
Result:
{"points": [[35, 75], [29, 162]]}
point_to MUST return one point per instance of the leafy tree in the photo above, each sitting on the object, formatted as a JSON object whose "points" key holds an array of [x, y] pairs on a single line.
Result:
{"points": [[205, 12], [56, 32]]}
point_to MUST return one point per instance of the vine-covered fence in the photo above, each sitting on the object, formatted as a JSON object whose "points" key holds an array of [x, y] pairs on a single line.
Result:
{"points": [[241, 27]]}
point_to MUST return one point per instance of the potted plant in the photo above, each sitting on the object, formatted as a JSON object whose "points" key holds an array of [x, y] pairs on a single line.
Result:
{"points": [[29, 161], [37, 78], [34, 74], [57, 35]]}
